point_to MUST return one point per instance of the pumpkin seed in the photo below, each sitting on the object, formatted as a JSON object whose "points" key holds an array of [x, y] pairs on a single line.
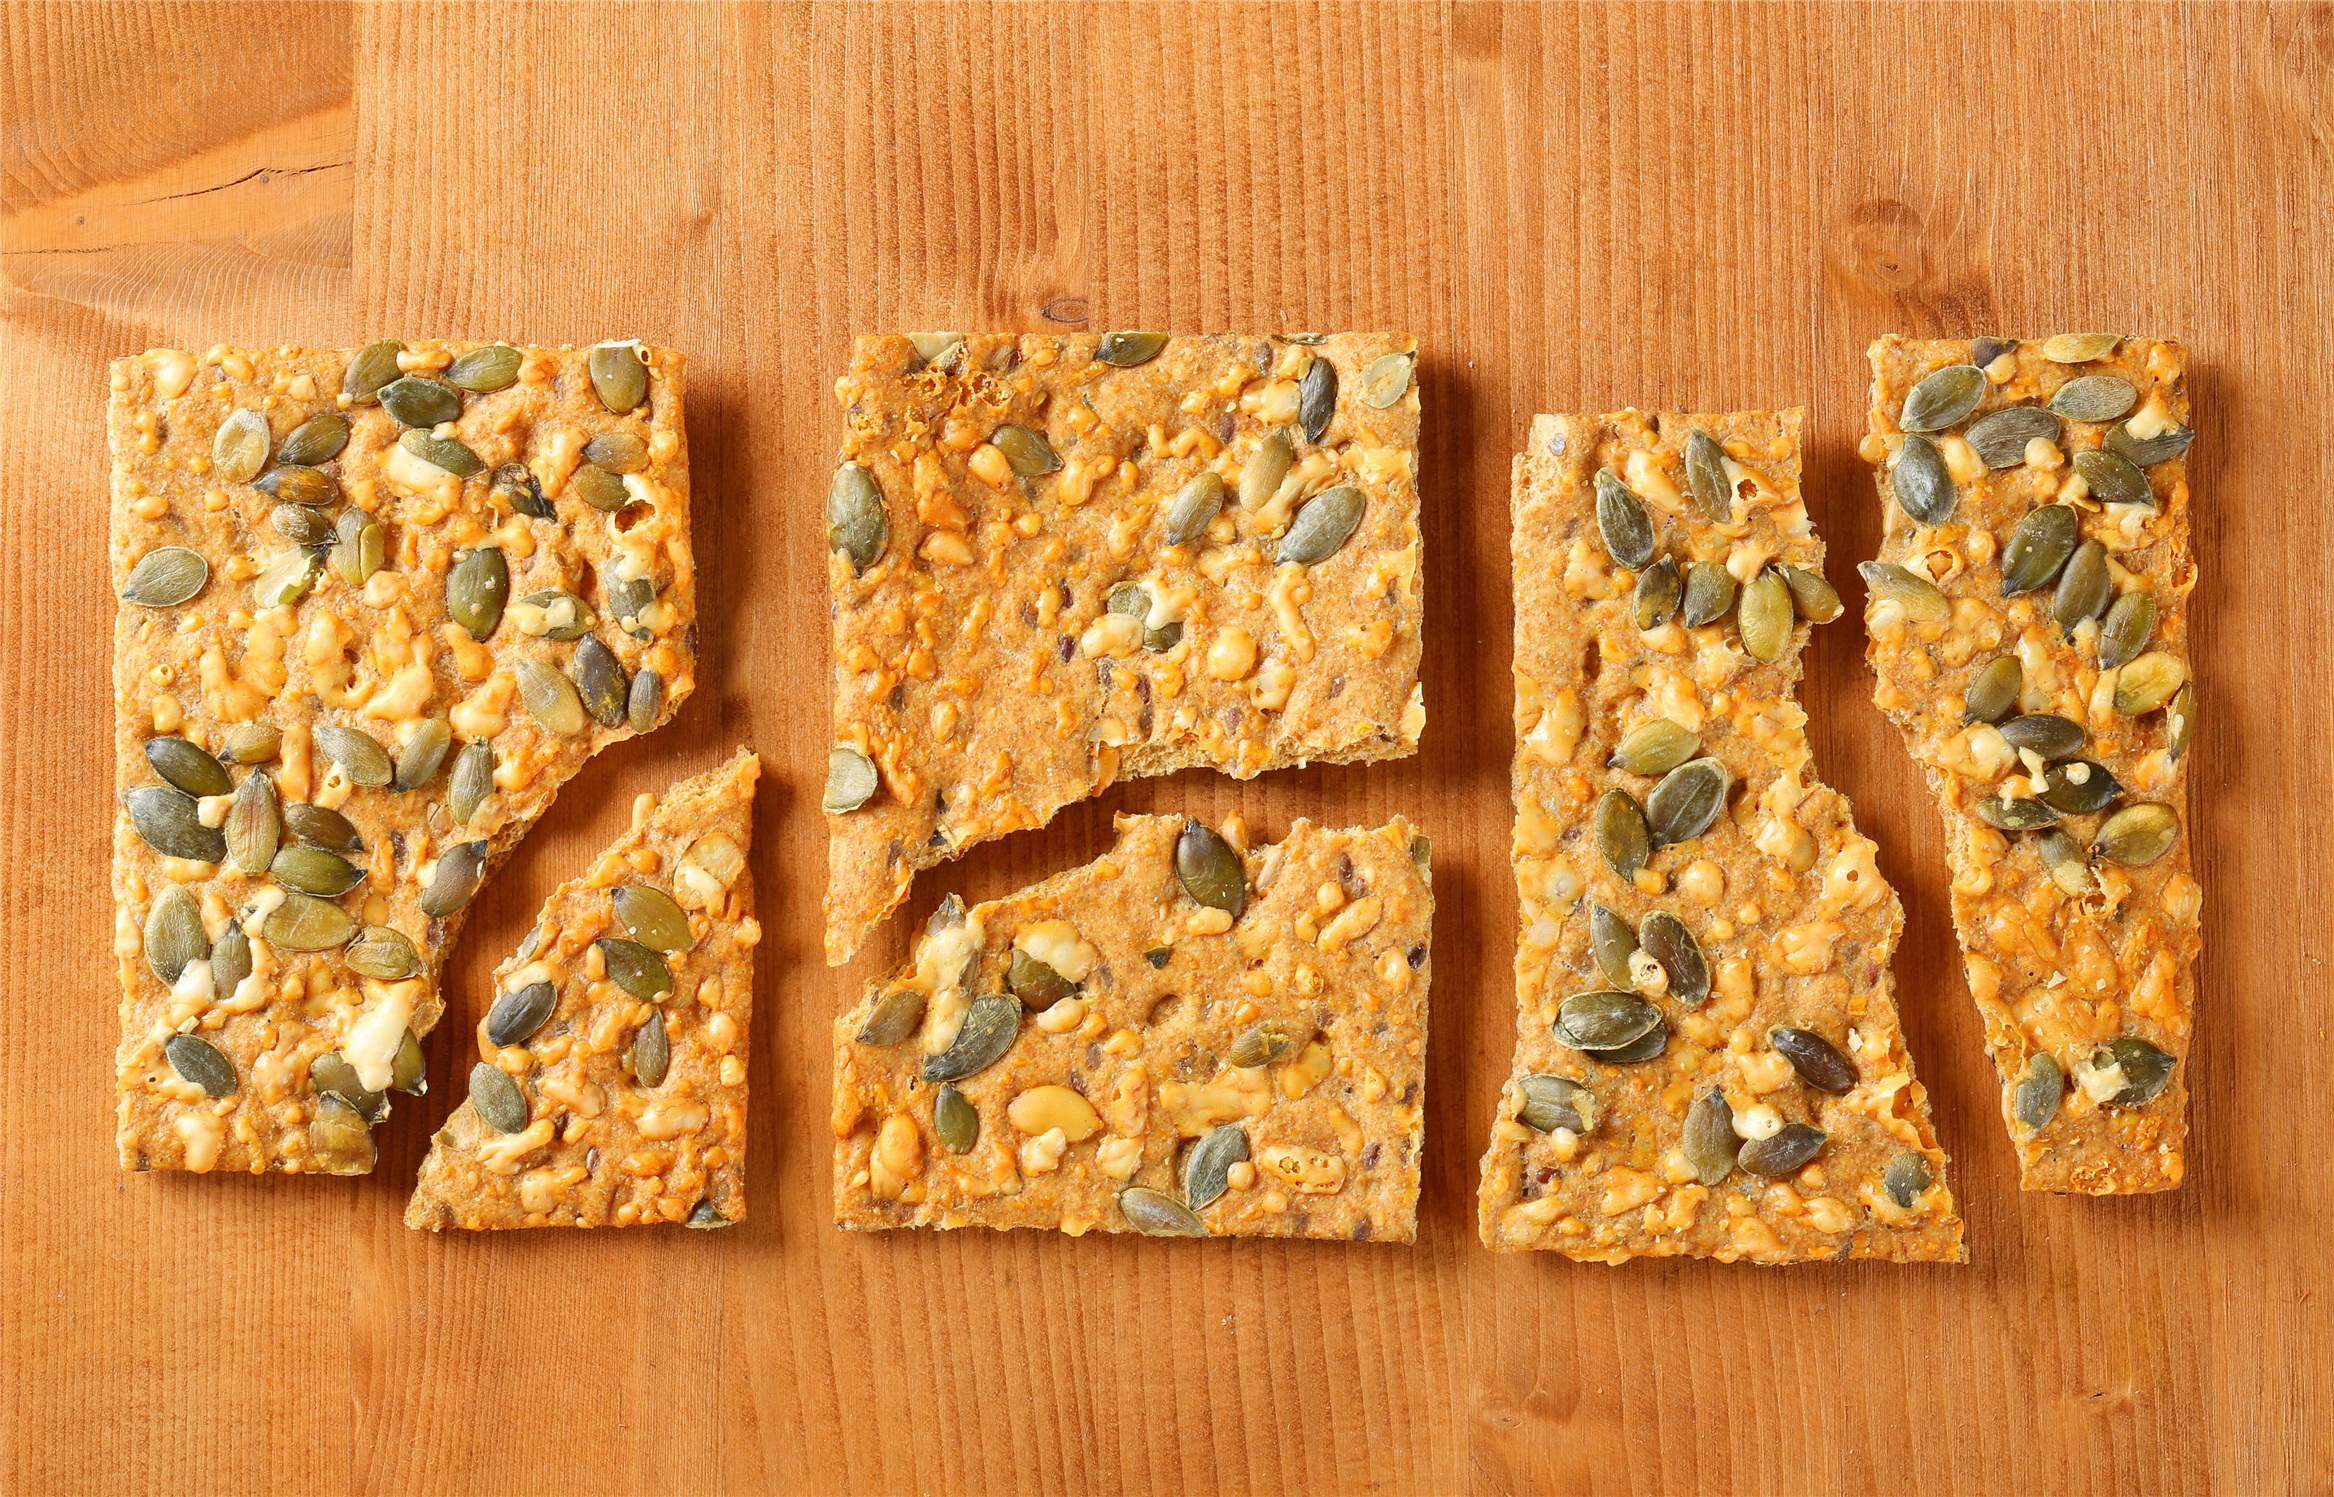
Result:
{"points": [[1317, 398], [619, 377], [894, 1017], [1709, 593], [990, 1026], [332, 1075], [496, 1099], [1943, 398], [617, 452], [2148, 682], [1264, 472], [651, 917], [357, 753], [2063, 859], [424, 752], [1905, 1178], [1656, 598], [2035, 1099], [1037, 985], [1207, 1167], [418, 401], [652, 1051], [1622, 521], [1134, 601], [850, 779], [1765, 616], [174, 934], [1817, 1060], [2021, 815], [2078, 787], [443, 453], [319, 439], [855, 519], [1156, 1214], [482, 371], [407, 1072], [2137, 835], [1611, 942], [253, 743], [319, 826], [301, 525], [1210, 872], [197, 1060], [2114, 480], [2048, 734], [383, 954], [956, 1120], [187, 766], [1607, 1020], [2079, 348], [239, 447], [2000, 437], [1709, 1141], [1706, 476], [1322, 525], [1187, 515], [472, 781], [312, 870], [1916, 595], [1666, 939], [2084, 588], [2131, 622], [2180, 720], [600, 489], [634, 968], [477, 587], [2038, 547], [600, 683], [288, 578], [460, 870], [1655, 748], [1815, 599], [517, 487], [339, 1143], [1622, 835], [166, 577], [1126, 350], [362, 548], [375, 365], [1553, 1102], [2146, 1069], [305, 923], [646, 702], [1686, 801], [1782, 1154], [628, 598], [1027, 452], [2093, 397], [1922, 484], [1983, 351], [551, 697], [1385, 380], [2146, 452], [1649, 1046], [1260, 1044], [938, 350], [170, 824], [230, 960]]}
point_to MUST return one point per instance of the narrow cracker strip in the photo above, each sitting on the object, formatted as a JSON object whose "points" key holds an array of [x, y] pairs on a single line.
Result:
{"points": [[1065, 560], [634, 1104], [1691, 1136], [1158, 1065], [310, 683], [2062, 464]]}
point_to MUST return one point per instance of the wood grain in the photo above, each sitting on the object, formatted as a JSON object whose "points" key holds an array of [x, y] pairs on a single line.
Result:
{"points": [[1573, 208]]}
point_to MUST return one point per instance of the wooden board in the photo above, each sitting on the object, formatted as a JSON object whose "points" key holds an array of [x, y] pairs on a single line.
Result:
{"points": [[1573, 209]]}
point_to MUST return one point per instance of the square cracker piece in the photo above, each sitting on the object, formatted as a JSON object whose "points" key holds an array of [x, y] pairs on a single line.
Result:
{"points": [[1063, 560], [2080, 937], [1766, 927], [626, 1016], [306, 676], [1140, 1053]]}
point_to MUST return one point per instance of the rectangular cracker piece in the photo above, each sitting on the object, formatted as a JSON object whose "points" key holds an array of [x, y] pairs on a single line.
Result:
{"points": [[606, 1141], [2081, 956], [1062, 560], [1129, 1029], [1762, 987], [307, 683]]}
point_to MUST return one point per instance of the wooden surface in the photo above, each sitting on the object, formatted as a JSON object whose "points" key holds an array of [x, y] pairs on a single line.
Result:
{"points": [[1573, 209]]}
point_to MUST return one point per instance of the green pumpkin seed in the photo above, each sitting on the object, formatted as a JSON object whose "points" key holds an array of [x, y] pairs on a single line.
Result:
{"points": [[170, 824], [1686, 802], [1765, 615], [374, 366], [2021, 815], [477, 587], [2078, 787], [856, 525], [288, 578], [332, 1075], [482, 371], [1922, 484], [416, 401], [1187, 515], [174, 934], [319, 439], [239, 447], [551, 697], [955, 1120], [2000, 437], [2180, 720], [1943, 398], [651, 917], [851, 780], [312, 870], [1133, 600], [1159, 956], [461, 868], [1709, 593], [382, 954], [339, 1143], [628, 598], [990, 1026], [938, 350], [2114, 480], [1905, 1178], [1666, 939], [2093, 397], [1815, 599], [517, 488], [1207, 1167], [619, 377], [362, 548], [2146, 452], [1782, 1154], [230, 960], [634, 968], [2063, 859], [1817, 1060], [1126, 350], [1385, 380], [2048, 734], [894, 1017], [1621, 832], [199, 1061], [2035, 1100], [166, 577], [600, 683], [1322, 526], [2146, 1069], [1647, 1046], [253, 743], [2079, 348], [496, 1099], [305, 923], [519, 1013], [2137, 835], [187, 766], [1656, 598], [1607, 1020], [443, 453], [1261, 1044], [302, 526], [1622, 522], [1316, 398], [617, 452], [1037, 985], [1553, 1102], [2131, 622], [319, 826], [1983, 351], [1709, 1141], [358, 754], [472, 781], [646, 702], [2038, 547], [2148, 682], [1655, 748], [1916, 595], [2084, 588], [1706, 476], [600, 489], [408, 1073], [424, 752], [1156, 1214], [1027, 452], [652, 1052], [1265, 471], [1611, 942], [1210, 872]]}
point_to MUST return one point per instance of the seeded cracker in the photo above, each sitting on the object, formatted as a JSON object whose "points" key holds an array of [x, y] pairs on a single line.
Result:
{"points": [[610, 1088], [2029, 627], [377, 606], [1707, 1055], [1182, 1038], [1062, 560]]}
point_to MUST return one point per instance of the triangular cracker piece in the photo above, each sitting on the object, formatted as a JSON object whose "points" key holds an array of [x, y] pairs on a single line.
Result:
{"points": [[1181, 1038], [377, 606], [611, 1089], [1059, 560], [2028, 620], [1707, 1055]]}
